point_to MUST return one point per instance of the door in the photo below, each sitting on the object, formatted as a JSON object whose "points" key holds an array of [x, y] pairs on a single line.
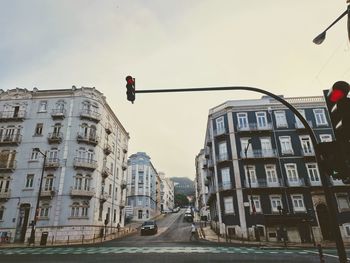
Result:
{"points": [[22, 223], [266, 147]]}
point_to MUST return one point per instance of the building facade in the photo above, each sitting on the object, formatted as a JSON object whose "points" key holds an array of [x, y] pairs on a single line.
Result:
{"points": [[82, 176], [201, 184], [167, 196], [142, 190], [264, 181]]}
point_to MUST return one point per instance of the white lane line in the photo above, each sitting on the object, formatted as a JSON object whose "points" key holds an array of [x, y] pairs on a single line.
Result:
{"points": [[328, 255]]}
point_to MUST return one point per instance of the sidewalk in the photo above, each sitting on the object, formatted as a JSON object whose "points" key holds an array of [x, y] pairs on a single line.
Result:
{"points": [[206, 233]]}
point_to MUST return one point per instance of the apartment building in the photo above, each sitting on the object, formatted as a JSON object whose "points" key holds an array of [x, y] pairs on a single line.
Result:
{"points": [[142, 190], [167, 195], [263, 178], [200, 184], [71, 143]]}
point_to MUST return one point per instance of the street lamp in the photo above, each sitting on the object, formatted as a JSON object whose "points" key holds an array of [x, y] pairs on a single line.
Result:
{"points": [[36, 214], [250, 185], [321, 37]]}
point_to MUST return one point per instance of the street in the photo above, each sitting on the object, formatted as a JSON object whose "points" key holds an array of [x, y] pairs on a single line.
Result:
{"points": [[170, 244]]}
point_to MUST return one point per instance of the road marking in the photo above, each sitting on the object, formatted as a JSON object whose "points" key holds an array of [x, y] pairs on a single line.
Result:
{"points": [[325, 254]]}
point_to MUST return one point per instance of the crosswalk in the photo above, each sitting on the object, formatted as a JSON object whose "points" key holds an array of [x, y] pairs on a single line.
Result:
{"points": [[145, 250]]}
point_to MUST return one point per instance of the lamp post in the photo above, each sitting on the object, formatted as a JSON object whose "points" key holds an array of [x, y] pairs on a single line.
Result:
{"points": [[250, 185], [321, 37], [36, 214]]}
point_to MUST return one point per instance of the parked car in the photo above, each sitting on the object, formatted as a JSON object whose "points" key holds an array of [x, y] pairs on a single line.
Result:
{"points": [[149, 227], [176, 209]]}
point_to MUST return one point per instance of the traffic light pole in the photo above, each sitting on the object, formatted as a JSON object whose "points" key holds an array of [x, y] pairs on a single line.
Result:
{"points": [[325, 180]]}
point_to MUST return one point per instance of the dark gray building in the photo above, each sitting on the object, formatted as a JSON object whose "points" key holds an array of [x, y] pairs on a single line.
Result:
{"points": [[261, 141]]}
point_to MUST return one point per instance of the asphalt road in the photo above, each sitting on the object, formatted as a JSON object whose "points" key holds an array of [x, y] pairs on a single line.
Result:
{"points": [[170, 245]]}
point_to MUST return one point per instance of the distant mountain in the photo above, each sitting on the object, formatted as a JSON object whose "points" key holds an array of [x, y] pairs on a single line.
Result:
{"points": [[183, 185]]}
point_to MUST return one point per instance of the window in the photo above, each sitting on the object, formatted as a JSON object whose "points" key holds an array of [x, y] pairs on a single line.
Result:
{"points": [[57, 129], [34, 155], [320, 117], [225, 178], [286, 145], [306, 145], [29, 181], [250, 171], [326, 137], [4, 185], [39, 129], [298, 123], [281, 120], [220, 125], [298, 203], [266, 147], [44, 210], [2, 210], [228, 205], [80, 209], [261, 120], [48, 183], [346, 228], [242, 119], [75, 210], [275, 202], [343, 202], [43, 106], [257, 204], [118, 153], [222, 152], [271, 175], [84, 209], [292, 173], [313, 173], [244, 145]]}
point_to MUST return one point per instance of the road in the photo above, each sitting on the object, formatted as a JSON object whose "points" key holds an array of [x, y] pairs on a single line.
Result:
{"points": [[170, 245]]}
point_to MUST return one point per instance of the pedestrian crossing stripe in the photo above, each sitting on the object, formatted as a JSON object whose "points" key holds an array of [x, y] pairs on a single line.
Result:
{"points": [[134, 250]]}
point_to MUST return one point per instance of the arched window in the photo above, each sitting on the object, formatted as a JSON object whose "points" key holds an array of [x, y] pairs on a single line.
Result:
{"points": [[2, 211], [75, 209], [92, 134], [78, 182], [84, 208], [87, 182], [60, 106], [44, 210], [57, 128], [84, 130]]}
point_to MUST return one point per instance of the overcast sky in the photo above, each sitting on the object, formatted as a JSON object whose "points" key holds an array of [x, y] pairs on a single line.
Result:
{"points": [[172, 44]]}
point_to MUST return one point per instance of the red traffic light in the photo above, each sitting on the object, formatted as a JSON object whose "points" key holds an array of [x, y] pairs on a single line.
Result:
{"points": [[130, 80], [339, 91]]}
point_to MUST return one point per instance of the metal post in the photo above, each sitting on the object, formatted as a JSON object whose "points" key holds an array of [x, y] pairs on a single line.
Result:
{"points": [[36, 214]]}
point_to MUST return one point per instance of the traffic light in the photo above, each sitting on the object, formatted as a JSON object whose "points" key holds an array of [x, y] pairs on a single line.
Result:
{"points": [[338, 105], [333, 161], [130, 88]]}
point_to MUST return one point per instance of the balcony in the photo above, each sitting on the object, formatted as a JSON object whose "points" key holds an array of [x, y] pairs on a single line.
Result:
{"points": [[300, 126], [106, 172], [107, 149], [222, 158], [52, 163], [123, 184], [90, 115], [315, 182], [14, 139], [108, 129], [89, 192], [47, 193], [220, 132], [125, 166], [57, 114], [255, 154], [225, 186], [88, 139], [83, 163], [7, 165], [6, 116], [55, 137], [263, 183], [104, 197], [296, 182], [5, 194], [254, 127]]}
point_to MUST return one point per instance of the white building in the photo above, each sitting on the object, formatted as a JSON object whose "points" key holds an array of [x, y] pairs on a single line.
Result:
{"points": [[142, 193], [166, 193], [83, 176], [201, 184]]}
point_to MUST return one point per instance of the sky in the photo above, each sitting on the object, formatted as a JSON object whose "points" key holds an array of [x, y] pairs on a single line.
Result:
{"points": [[172, 44]]}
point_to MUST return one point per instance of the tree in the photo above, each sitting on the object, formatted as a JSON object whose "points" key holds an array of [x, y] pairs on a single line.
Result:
{"points": [[181, 200]]}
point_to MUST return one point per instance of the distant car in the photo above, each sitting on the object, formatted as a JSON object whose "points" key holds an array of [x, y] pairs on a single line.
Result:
{"points": [[188, 217], [176, 209], [149, 227]]}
